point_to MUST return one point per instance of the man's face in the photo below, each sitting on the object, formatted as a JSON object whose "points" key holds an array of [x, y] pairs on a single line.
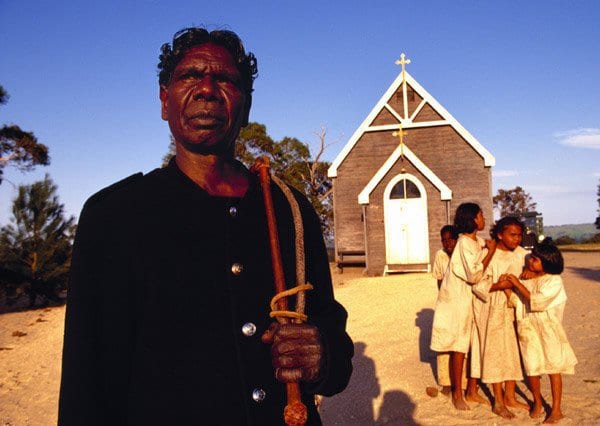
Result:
{"points": [[448, 242], [205, 103]]}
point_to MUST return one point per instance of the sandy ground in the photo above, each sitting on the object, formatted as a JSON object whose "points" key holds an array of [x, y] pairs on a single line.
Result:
{"points": [[390, 322]]}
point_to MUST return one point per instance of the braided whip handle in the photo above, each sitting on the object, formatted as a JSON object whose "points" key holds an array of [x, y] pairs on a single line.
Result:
{"points": [[295, 412]]}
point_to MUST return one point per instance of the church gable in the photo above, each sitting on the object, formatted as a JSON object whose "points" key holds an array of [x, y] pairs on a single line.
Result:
{"points": [[407, 141], [427, 113], [396, 102], [385, 117], [407, 104]]}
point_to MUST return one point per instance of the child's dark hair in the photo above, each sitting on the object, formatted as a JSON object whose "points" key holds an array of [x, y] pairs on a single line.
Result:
{"points": [[464, 219], [451, 229], [549, 254], [503, 223]]}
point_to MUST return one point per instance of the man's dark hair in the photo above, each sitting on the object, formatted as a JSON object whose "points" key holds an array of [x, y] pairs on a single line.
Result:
{"points": [[451, 229], [187, 38], [464, 219], [503, 223], [549, 254]]}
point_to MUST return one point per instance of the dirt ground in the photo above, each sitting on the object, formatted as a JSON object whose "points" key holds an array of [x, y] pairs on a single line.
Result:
{"points": [[390, 322]]}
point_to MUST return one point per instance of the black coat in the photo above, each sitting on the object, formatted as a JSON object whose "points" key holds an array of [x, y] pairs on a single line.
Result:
{"points": [[155, 309]]}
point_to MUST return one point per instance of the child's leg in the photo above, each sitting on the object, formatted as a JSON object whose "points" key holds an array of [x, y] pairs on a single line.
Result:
{"points": [[443, 371], [456, 369], [499, 407], [472, 394], [534, 383], [510, 397], [556, 387]]}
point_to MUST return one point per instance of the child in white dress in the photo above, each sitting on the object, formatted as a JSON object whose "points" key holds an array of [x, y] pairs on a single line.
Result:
{"points": [[453, 316], [539, 310], [448, 236], [500, 362]]}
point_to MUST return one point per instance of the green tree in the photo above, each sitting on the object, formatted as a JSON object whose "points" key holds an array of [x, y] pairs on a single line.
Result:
{"points": [[36, 247], [3, 96], [170, 154], [513, 201], [18, 147], [291, 161]]}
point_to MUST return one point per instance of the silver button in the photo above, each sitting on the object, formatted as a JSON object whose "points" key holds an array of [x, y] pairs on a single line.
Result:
{"points": [[232, 211], [258, 395], [237, 268], [249, 329]]}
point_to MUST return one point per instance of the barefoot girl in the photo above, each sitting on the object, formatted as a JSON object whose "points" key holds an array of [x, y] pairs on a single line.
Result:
{"points": [[543, 341], [453, 318], [494, 319], [449, 236]]}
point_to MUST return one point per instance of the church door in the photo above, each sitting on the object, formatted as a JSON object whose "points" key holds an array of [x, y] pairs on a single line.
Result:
{"points": [[406, 225]]}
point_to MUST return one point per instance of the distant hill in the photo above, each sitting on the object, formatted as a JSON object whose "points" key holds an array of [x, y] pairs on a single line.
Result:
{"points": [[579, 232]]}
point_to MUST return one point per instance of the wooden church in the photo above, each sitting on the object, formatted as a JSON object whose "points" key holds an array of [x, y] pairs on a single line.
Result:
{"points": [[400, 177]]}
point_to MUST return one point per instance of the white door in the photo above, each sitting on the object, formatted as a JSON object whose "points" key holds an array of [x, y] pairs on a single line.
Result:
{"points": [[406, 226]]}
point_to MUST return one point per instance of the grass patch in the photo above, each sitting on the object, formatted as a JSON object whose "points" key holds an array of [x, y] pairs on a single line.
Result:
{"points": [[589, 247]]}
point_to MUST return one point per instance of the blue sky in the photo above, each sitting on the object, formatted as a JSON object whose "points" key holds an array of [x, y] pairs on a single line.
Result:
{"points": [[522, 76]]}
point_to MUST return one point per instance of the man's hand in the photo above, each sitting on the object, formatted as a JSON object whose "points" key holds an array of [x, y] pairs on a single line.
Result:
{"points": [[296, 351]]}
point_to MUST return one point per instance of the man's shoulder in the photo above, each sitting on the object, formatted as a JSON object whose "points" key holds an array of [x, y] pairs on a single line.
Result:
{"points": [[112, 191]]}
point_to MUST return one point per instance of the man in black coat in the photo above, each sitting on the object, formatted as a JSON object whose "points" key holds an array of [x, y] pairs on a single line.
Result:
{"points": [[168, 305]]}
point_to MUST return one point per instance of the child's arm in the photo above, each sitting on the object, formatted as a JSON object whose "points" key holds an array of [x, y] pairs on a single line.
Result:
{"points": [[473, 265], [491, 246], [502, 284], [518, 286], [526, 274], [550, 293]]}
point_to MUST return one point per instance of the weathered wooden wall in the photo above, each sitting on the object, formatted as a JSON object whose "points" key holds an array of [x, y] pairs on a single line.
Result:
{"points": [[441, 148]]}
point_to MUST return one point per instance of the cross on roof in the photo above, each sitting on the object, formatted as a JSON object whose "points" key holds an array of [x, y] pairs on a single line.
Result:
{"points": [[403, 62]]}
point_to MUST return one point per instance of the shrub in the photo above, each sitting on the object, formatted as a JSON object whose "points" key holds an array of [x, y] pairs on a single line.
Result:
{"points": [[593, 239], [564, 240]]}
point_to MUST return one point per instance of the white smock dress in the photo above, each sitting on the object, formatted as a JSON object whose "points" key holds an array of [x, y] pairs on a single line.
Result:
{"points": [[542, 338], [453, 317], [498, 359]]}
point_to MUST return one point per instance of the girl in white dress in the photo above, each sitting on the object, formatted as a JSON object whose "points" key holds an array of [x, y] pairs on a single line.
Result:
{"points": [[453, 317], [449, 236], [542, 338], [495, 319]]}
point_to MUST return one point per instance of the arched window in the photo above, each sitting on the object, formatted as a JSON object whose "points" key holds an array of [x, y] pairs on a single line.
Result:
{"points": [[405, 189]]}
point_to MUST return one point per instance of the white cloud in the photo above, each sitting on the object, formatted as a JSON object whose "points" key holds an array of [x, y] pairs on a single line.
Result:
{"points": [[504, 173], [596, 174], [580, 138]]}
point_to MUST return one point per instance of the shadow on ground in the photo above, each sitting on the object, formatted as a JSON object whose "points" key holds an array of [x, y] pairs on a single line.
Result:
{"points": [[354, 406], [588, 273], [424, 321]]}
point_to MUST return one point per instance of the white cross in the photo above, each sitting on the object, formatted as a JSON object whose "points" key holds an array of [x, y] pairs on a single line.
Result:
{"points": [[403, 62]]}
